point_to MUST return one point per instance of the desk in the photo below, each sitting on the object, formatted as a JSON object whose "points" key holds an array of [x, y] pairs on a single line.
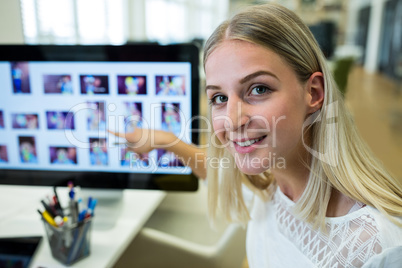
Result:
{"points": [[18, 217]]}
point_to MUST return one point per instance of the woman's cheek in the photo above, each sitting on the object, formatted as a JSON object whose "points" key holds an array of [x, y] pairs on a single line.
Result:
{"points": [[219, 129]]}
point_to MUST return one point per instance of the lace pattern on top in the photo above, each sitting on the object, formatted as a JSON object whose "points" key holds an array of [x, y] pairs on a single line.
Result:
{"points": [[347, 243]]}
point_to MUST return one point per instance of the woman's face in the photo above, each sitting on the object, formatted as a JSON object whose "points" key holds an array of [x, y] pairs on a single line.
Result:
{"points": [[258, 105]]}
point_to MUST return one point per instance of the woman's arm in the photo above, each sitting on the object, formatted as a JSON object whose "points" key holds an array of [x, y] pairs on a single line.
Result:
{"points": [[143, 140]]}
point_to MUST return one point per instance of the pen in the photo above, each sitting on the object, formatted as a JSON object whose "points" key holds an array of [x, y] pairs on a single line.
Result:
{"points": [[56, 197], [57, 207]]}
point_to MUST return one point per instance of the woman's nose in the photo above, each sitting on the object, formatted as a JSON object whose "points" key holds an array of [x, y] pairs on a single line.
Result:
{"points": [[237, 114]]}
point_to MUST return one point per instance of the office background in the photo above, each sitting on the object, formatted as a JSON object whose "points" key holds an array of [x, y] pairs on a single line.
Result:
{"points": [[368, 30], [372, 25]]}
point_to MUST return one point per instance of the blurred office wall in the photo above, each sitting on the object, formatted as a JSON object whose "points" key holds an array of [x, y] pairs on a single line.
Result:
{"points": [[119, 21], [10, 23], [371, 25]]}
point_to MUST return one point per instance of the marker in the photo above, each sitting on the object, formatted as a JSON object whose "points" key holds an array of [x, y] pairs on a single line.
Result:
{"points": [[89, 202], [47, 218], [71, 194], [70, 185], [91, 209], [73, 207], [82, 215]]}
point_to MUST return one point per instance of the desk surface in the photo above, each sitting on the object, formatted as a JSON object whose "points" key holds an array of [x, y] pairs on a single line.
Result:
{"points": [[19, 217]]}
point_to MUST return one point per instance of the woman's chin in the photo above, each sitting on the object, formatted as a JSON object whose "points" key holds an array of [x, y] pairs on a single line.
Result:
{"points": [[251, 170]]}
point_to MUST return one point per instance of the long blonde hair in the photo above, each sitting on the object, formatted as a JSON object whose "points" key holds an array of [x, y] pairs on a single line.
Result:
{"points": [[341, 160]]}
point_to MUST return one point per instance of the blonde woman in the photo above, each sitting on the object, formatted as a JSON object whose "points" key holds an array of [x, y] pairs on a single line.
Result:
{"points": [[281, 128]]}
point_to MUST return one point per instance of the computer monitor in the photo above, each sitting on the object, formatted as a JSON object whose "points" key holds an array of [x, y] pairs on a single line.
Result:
{"points": [[57, 103]]}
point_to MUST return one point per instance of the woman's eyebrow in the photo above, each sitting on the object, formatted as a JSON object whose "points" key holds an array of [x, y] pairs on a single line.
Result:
{"points": [[256, 74], [211, 87], [245, 79]]}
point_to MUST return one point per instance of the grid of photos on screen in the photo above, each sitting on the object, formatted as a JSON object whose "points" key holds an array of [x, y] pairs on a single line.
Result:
{"points": [[64, 84]]}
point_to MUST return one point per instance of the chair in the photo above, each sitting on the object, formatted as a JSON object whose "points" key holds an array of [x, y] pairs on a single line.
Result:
{"points": [[178, 234]]}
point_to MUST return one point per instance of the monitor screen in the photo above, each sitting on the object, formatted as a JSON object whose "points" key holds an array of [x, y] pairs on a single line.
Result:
{"points": [[57, 103], [17, 252]]}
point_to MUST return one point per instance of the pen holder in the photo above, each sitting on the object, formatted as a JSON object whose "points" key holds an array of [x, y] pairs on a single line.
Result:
{"points": [[69, 244]]}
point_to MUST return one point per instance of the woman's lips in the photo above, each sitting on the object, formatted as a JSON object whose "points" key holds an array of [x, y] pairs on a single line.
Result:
{"points": [[244, 146]]}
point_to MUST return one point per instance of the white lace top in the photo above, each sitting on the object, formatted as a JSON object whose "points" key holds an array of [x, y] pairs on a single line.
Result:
{"points": [[362, 238]]}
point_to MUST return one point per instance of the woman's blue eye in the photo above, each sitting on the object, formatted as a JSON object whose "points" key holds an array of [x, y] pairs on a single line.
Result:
{"points": [[258, 90], [219, 99]]}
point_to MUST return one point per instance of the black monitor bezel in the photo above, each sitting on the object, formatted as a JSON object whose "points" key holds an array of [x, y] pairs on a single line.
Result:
{"points": [[144, 52]]}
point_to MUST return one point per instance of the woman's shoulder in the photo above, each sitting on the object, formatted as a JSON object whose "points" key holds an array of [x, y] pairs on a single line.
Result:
{"points": [[390, 232], [389, 258]]}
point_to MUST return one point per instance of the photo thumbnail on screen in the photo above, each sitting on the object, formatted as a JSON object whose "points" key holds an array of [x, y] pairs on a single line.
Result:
{"points": [[60, 120], [63, 155], [94, 84], [27, 149], [20, 77], [58, 84], [170, 85], [25, 121], [132, 85], [96, 116], [133, 160], [3, 154], [98, 154], [168, 159], [171, 118], [133, 115]]}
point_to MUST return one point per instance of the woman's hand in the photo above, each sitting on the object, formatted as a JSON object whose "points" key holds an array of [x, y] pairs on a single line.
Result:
{"points": [[143, 140]]}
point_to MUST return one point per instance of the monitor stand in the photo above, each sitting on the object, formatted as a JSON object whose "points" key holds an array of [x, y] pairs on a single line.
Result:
{"points": [[108, 208]]}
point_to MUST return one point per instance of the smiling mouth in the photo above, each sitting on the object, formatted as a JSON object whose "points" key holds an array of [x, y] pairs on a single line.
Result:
{"points": [[249, 142]]}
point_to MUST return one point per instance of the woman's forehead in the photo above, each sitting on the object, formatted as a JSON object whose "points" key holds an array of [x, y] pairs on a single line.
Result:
{"points": [[242, 56]]}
